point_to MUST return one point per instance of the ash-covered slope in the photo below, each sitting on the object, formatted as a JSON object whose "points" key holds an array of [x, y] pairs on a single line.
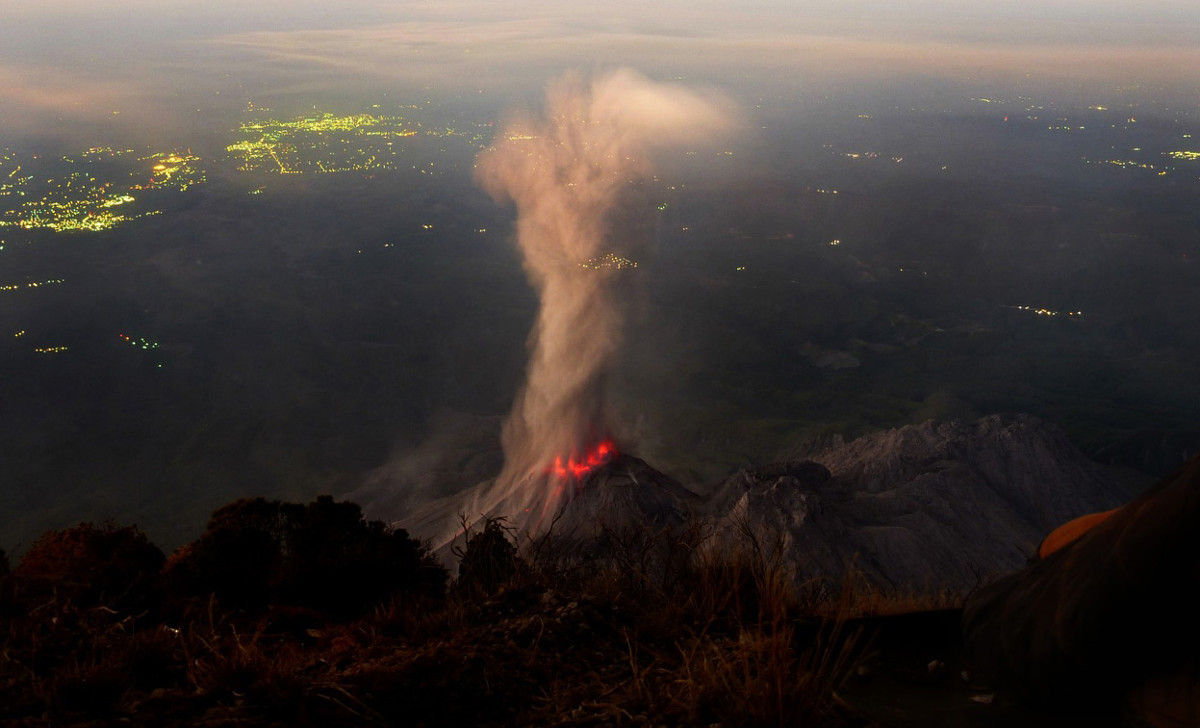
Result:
{"points": [[1030, 467], [624, 493], [938, 505]]}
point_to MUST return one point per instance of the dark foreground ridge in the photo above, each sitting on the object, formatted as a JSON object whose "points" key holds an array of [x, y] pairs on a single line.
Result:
{"points": [[1111, 613], [685, 610], [259, 623]]}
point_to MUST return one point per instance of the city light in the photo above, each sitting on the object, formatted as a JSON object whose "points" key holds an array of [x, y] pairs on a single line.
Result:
{"points": [[329, 144], [172, 170], [140, 342], [80, 194], [31, 284], [1047, 312], [608, 261]]}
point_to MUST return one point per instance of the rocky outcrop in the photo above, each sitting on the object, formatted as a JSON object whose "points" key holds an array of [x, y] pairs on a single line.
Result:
{"points": [[931, 506], [1029, 466], [934, 506], [943, 505]]}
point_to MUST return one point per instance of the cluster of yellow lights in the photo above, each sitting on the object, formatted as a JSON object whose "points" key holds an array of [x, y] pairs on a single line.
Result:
{"points": [[104, 152], [608, 261], [19, 334], [50, 349], [1190, 156], [1048, 312], [326, 122], [32, 284], [78, 201], [1124, 164], [10, 183], [174, 170], [118, 200], [322, 144], [317, 143], [94, 153], [65, 219]]}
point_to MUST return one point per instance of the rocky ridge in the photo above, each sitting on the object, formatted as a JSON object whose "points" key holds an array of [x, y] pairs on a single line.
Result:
{"points": [[938, 506]]}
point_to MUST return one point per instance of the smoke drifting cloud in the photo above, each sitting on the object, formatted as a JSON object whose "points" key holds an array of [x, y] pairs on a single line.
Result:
{"points": [[564, 170]]}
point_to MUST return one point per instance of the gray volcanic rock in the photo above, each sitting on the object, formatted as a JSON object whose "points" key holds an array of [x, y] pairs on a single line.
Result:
{"points": [[779, 483], [1027, 464], [624, 493], [924, 507]]}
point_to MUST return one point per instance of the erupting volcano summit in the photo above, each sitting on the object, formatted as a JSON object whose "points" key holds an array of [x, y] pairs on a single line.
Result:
{"points": [[578, 468], [564, 170]]}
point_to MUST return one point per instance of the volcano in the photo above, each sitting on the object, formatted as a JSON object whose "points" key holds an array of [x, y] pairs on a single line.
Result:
{"points": [[623, 493], [934, 506], [573, 499]]}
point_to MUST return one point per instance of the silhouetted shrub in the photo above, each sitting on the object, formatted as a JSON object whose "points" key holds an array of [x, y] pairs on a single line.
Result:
{"points": [[322, 555], [488, 561], [91, 565]]}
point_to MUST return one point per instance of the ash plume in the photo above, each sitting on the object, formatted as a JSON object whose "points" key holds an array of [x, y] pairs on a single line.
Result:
{"points": [[564, 169]]}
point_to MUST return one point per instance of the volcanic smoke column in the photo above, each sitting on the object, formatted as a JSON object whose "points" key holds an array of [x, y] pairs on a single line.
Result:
{"points": [[564, 170]]}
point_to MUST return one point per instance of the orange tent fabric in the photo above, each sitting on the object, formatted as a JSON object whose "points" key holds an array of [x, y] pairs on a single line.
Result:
{"points": [[1070, 531], [1110, 612]]}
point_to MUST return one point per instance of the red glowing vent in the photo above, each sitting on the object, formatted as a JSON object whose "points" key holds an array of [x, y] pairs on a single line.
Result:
{"points": [[577, 467]]}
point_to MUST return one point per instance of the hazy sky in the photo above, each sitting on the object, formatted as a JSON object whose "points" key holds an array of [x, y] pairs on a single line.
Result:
{"points": [[156, 59]]}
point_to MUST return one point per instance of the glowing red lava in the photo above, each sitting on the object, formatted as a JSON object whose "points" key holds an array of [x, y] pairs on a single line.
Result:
{"points": [[577, 468]]}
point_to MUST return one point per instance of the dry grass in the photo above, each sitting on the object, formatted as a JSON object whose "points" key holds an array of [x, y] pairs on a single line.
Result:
{"points": [[647, 627]]}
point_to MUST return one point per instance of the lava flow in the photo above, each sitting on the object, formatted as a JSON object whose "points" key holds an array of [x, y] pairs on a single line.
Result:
{"points": [[577, 468]]}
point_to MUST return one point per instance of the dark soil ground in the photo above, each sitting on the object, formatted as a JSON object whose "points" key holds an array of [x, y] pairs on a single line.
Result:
{"points": [[916, 674]]}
